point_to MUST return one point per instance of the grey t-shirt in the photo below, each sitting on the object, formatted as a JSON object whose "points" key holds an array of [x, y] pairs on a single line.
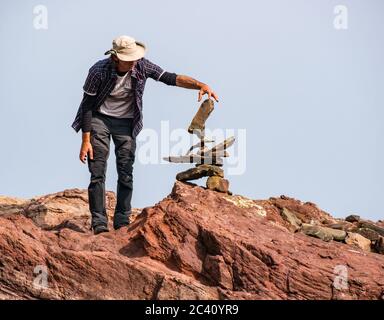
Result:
{"points": [[120, 102]]}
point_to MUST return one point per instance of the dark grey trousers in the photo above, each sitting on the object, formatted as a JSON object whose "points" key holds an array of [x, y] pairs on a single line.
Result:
{"points": [[103, 127]]}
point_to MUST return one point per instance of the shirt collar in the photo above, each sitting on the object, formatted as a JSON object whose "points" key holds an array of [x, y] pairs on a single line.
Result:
{"points": [[114, 72]]}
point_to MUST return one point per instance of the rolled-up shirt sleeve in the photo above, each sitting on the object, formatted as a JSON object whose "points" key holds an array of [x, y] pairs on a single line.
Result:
{"points": [[92, 83], [87, 105], [157, 73]]}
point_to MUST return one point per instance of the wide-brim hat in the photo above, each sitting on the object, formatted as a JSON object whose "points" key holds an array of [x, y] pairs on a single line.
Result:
{"points": [[127, 48]]}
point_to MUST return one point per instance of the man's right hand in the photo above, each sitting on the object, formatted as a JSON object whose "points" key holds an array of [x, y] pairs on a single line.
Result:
{"points": [[86, 149]]}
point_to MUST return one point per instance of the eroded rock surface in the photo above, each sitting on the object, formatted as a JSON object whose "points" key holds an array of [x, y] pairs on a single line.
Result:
{"points": [[193, 244]]}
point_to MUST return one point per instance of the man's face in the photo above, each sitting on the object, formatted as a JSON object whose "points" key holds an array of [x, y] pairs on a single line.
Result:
{"points": [[123, 66]]}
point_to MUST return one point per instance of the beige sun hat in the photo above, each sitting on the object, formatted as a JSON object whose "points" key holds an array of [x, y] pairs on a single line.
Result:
{"points": [[127, 48]]}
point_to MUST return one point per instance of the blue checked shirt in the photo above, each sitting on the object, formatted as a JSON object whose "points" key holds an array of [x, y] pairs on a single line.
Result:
{"points": [[101, 80]]}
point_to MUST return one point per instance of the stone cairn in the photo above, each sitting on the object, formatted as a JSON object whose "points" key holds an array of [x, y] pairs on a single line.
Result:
{"points": [[208, 160]]}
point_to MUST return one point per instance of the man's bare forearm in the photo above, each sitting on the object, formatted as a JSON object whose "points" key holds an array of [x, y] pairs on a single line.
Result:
{"points": [[188, 82], [86, 136]]}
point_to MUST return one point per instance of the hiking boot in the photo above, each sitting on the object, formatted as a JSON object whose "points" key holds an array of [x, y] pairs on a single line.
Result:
{"points": [[117, 227], [99, 229]]}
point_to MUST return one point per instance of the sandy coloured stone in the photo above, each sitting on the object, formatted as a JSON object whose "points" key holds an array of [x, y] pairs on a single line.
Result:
{"points": [[291, 218], [323, 233], [358, 240], [216, 183], [198, 121]]}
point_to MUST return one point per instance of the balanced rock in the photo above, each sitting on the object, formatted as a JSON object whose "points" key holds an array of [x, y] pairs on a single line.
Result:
{"points": [[358, 240], [203, 170], [195, 158], [198, 121], [217, 183], [208, 159], [323, 233]]}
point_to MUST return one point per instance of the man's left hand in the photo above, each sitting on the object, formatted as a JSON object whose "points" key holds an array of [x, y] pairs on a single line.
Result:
{"points": [[206, 89]]}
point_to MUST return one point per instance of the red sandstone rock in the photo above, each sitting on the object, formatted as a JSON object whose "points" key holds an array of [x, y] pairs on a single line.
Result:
{"points": [[194, 244]]}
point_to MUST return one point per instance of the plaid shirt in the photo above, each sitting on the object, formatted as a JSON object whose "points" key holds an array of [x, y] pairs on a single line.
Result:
{"points": [[101, 80]]}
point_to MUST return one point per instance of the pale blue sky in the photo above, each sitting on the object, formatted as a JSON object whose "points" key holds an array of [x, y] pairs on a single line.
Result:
{"points": [[309, 96]]}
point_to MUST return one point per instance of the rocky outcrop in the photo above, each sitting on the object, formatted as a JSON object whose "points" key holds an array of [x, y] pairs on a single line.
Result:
{"points": [[194, 244]]}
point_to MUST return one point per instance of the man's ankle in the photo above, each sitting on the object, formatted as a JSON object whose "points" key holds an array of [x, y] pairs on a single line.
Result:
{"points": [[100, 228], [117, 227]]}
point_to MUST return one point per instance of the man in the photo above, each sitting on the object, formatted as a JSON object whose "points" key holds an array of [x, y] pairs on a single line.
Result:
{"points": [[112, 106]]}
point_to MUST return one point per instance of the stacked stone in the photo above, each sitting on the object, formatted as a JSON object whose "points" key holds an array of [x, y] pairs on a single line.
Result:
{"points": [[208, 161], [214, 173]]}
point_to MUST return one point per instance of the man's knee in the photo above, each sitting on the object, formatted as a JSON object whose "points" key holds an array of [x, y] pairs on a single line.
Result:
{"points": [[97, 178], [124, 165], [125, 159], [126, 179]]}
